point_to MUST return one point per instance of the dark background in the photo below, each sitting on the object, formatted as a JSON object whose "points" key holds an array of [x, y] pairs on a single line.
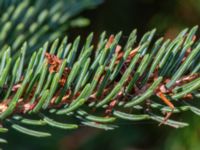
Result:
{"points": [[167, 16]]}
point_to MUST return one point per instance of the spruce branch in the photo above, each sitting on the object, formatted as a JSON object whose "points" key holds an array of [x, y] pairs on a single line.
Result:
{"points": [[101, 84]]}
